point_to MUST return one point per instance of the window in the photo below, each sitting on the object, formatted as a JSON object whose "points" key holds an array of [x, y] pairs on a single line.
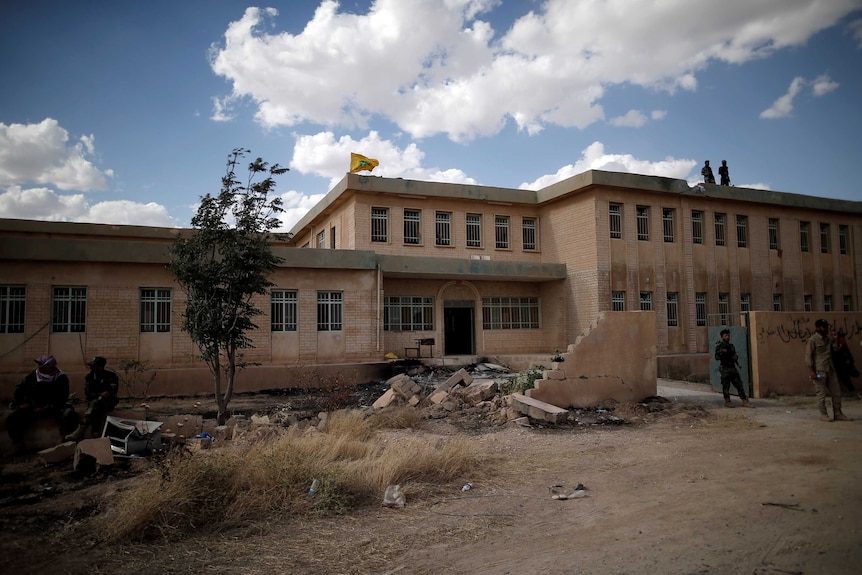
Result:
{"points": [[618, 301], [283, 307], [646, 301], [408, 313], [803, 236], [724, 307], [330, 308], [379, 225], [443, 228], [776, 302], [700, 308], [529, 231], [848, 303], [501, 231], [672, 309], [843, 232], [824, 238], [510, 313], [773, 233], [827, 303], [474, 231], [667, 224], [719, 229], [643, 223], [69, 309], [745, 302], [615, 221], [332, 238], [13, 300], [321, 239], [742, 231], [155, 310], [412, 227], [697, 227], [807, 303]]}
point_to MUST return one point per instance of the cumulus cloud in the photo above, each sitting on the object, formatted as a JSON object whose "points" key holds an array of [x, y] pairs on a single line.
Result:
{"points": [[436, 67], [594, 157], [783, 106], [47, 205], [42, 154], [823, 84], [631, 119]]}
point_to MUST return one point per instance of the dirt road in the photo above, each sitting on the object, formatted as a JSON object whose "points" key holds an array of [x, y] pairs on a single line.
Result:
{"points": [[700, 489]]}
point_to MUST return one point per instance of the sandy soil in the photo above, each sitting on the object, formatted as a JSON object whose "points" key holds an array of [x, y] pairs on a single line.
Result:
{"points": [[693, 489]]}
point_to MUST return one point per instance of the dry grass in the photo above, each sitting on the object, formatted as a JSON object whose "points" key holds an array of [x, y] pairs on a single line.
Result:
{"points": [[234, 484], [401, 417]]}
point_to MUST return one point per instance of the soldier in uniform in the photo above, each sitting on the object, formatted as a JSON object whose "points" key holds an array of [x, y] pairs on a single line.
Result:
{"points": [[821, 370], [706, 172], [724, 173], [725, 353], [100, 388]]}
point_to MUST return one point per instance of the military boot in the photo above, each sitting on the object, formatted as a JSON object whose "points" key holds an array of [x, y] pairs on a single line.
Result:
{"points": [[841, 417], [824, 415], [745, 403], [78, 434], [727, 403]]}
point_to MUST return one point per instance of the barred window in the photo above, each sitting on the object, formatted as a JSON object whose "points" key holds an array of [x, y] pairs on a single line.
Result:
{"points": [[745, 302], [501, 229], [408, 313], [412, 227], [643, 223], [848, 303], [13, 300], [443, 226], [646, 301], [807, 302], [776, 302], [529, 232], [843, 232], [724, 307], [155, 310], [69, 310], [615, 220], [696, 227], [719, 229], [474, 230], [330, 310], [742, 231], [379, 224], [672, 309], [700, 308], [773, 233], [283, 309], [510, 313], [618, 301], [321, 239], [827, 303], [667, 223], [824, 238], [804, 228]]}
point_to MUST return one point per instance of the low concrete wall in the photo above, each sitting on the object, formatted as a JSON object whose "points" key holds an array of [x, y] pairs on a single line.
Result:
{"points": [[614, 359], [778, 348], [684, 367]]}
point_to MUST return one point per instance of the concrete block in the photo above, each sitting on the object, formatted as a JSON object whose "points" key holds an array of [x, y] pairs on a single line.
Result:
{"points": [[385, 400], [260, 420], [438, 397], [403, 385], [539, 410], [96, 450], [460, 377], [58, 453], [414, 401], [481, 390]]}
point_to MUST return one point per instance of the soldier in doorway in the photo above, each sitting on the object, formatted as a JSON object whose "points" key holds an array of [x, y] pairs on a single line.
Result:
{"points": [[725, 353]]}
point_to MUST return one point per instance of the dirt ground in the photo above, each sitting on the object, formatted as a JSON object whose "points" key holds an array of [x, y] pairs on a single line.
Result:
{"points": [[693, 488]]}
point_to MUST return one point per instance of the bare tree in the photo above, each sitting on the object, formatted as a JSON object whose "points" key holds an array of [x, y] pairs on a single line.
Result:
{"points": [[223, 264]]}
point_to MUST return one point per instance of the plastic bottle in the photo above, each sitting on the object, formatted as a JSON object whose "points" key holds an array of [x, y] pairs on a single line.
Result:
{"points": [[467, 487], [314, 485]]}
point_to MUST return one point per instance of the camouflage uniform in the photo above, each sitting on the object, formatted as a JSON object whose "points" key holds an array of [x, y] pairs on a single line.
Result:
{"points": [[818, 355], [725, 353], [98, 382]]}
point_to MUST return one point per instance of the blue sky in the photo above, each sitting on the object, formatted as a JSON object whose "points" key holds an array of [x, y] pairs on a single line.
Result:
{"points": [[124, 112]]}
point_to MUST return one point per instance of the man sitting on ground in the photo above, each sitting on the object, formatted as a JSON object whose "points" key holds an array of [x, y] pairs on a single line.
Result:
{"points": [[100, 390]]}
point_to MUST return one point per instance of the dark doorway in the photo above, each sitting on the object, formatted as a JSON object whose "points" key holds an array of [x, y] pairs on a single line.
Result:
{"points": [[458, 327]]}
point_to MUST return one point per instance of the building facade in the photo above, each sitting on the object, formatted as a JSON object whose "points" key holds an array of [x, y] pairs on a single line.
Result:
{"points": [[382, 262]]}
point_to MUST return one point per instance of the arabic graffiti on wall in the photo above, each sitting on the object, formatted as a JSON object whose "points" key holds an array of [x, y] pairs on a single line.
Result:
{"points": [[801, 327]]}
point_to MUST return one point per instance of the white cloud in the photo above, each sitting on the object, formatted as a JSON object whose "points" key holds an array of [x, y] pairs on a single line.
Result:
{"points": [[856, 29], [437, 67], [41, 154], [658, 115], [47, 205], [594, 157], [783, 106], [823, 84], [631, 119]]}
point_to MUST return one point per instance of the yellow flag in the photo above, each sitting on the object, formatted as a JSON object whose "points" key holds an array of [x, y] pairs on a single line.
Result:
{"points": [[359, 163]]}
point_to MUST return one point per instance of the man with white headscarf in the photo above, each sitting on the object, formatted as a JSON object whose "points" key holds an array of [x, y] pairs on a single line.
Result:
{"points": [[44, 392]]}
